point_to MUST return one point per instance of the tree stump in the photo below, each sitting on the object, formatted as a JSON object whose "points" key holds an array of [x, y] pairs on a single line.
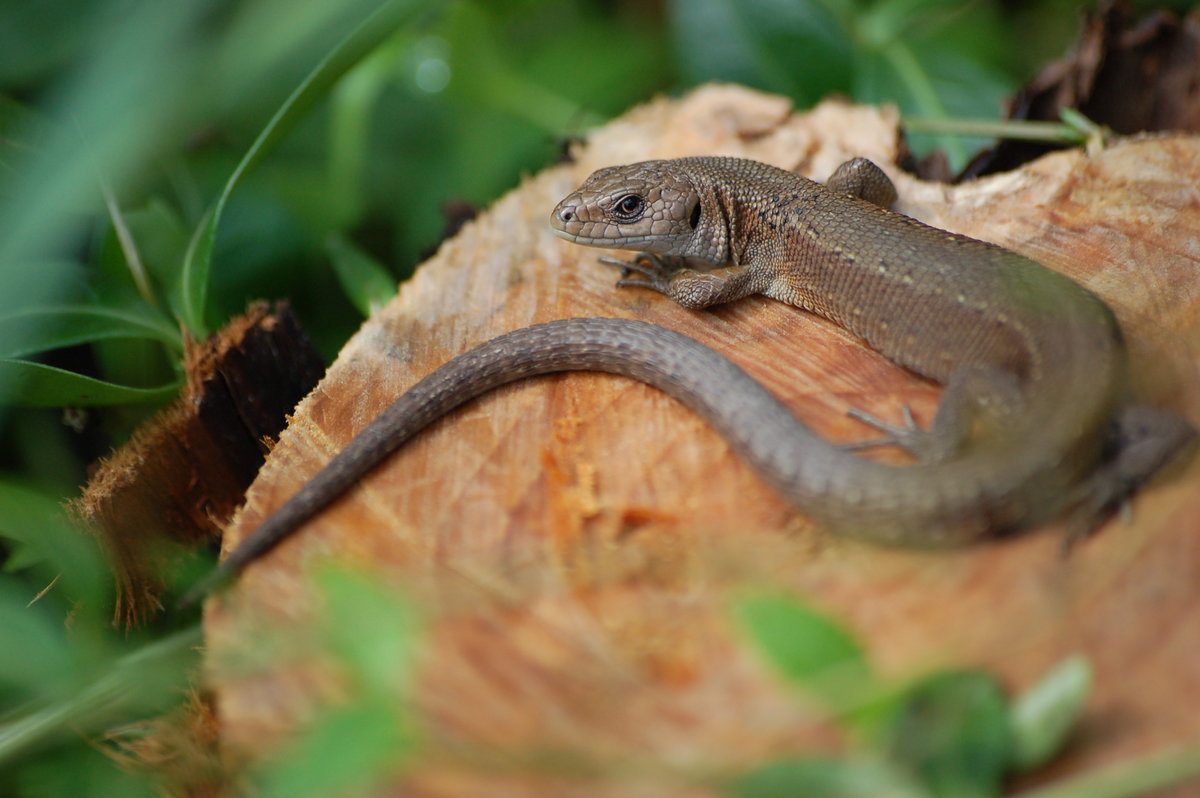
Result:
{"points": [[575, 538]]}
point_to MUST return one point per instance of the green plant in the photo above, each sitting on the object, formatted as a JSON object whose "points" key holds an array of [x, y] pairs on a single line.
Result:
{"points": [[949, 734], [163, 163]]}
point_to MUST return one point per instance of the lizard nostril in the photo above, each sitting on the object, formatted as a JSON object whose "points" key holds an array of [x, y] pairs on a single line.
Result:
{"points": [[567, 214]]}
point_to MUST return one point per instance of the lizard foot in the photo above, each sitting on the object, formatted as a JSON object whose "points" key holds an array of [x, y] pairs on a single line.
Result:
{"points": [[924, 446], [1100, 500], [654, 271], [1142, 442]]}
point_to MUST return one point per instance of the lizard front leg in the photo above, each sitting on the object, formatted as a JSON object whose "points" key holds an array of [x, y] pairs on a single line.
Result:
{"points": [[692, 288]]}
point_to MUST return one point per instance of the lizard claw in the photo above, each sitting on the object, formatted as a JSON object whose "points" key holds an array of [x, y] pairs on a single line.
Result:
{"points": [[1092, 512], [623, 265], [1143, 440], [654, 270], [923, 445]]}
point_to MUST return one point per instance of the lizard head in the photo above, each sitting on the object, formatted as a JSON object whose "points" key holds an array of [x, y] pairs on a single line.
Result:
{"points": [[647, 206]]}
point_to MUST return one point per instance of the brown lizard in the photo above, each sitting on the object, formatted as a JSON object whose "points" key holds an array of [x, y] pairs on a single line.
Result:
{"points": [[1035, 418], [1036, 415]]}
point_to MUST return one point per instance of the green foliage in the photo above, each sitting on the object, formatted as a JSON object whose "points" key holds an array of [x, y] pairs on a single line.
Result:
{"points": [[80, 773], [932, 58], [38, 385], [364, 279], [361, 41], [434, 79], [808, 649], [852, 777], [162, 163], [345, 751], [38, 536], [367, 737], [799, 49], [951, 734], [1043, 716], [60, 679]]}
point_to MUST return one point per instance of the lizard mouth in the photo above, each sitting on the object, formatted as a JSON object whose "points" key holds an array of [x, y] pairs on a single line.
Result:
{"points": [[622, 242], [561, 233]]}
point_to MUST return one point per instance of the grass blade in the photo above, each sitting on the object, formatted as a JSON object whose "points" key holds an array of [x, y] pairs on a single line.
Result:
{"points": [[38, 385], [55, 326], [360, 42]]}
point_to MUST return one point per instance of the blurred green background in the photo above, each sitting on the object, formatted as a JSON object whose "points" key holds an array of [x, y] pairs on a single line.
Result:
{"points": [[139, 113], [164, 163]]}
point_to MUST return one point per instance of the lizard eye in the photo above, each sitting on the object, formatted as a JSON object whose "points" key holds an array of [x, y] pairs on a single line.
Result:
{"points": [[629, 208]]}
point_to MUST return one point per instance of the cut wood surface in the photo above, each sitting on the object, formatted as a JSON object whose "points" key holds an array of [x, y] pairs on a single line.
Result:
{"points": [[576, 537]]}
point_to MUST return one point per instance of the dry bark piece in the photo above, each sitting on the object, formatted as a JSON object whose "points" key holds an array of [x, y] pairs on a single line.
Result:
{"points": [[184, 471], [180, 752], [575, 538], [1130, 75]]}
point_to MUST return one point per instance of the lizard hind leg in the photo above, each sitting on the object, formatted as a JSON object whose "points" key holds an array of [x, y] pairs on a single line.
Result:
{"points": [[935, 445], [990, 394], [925, 446], [862, 178]]}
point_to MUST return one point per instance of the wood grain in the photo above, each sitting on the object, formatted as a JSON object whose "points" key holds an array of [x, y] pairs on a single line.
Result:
{"points": [[575, 538]]}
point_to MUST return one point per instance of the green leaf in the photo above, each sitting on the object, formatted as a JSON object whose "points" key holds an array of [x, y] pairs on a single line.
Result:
{"points": [[484, 71], [795, 47], [952, 733], [366, 282], [35, 657], [353, 112], [826, 778], [24, 511], [36, 528], [806, 647], [22, 129], [345, 752], [86, 771], [1044, 715], [933, 59], [139, 684], [1147, 774], [124, 87], [932, 84], [369, 629], [372, 32], [377, 648], [25, 332], [37, 385], [20, 557], [161, 240]]}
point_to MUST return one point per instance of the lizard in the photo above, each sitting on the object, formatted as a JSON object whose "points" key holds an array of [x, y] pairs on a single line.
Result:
{"points": [[1035, 418]]}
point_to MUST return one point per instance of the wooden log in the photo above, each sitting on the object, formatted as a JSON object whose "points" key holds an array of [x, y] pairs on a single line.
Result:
{"points": [[574, 538]]}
